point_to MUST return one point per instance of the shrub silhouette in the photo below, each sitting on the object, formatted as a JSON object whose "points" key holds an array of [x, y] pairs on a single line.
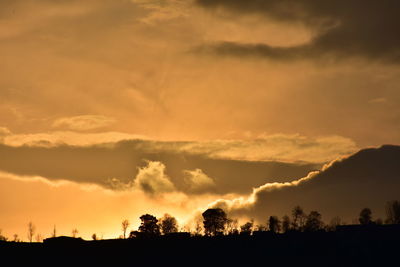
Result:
{"points": [[247, 228]]}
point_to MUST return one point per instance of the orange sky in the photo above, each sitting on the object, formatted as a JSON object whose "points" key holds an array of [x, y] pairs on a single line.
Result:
{"points": [[218, 80]]}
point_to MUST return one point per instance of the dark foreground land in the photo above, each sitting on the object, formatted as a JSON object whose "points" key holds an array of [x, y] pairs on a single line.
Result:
{"points": [[348, 246]]}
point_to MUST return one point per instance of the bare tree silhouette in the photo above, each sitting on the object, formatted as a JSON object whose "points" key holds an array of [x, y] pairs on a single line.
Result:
{"points": [[31, 231], [38, 238], [334, 223], [313, 222], [74, 232], [247, 228], [125, 224], [54, 233], [299, 217], [198, 229], [232, 226], [286, 223], [393, 212], [274, 224]]}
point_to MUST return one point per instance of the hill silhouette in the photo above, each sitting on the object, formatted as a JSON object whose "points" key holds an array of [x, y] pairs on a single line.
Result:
{"points": [[348, 246]]}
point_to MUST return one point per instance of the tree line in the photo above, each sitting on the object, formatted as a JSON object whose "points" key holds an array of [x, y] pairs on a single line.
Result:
{"points": [[216, 222]]}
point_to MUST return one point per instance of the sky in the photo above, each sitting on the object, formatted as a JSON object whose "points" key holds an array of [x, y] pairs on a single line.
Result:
{"points": [[110, 109]]}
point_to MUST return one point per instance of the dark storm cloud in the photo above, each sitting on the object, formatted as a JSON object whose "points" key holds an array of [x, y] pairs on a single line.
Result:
{"points": [[368, 178], [119, 163], [344, 28]]}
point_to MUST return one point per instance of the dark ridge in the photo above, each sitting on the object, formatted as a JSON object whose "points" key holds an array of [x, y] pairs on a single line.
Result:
{"points": [[352, 245]]}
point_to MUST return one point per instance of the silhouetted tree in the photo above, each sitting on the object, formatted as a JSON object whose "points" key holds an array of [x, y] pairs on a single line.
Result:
{"points": [[31, 231], [125, 224], [54, 233], [365, 216], [247, 228], [149, 225], [214, 221], [94, 237], [334, 223], [286, 223], [393, 212], [313, 222], [38, 238], [260, 227], [198, 229], [274, 224], [299, 217], [232, 226], [2, 237], [74, 232], [16, 239], [168, 224], [185, 229]]}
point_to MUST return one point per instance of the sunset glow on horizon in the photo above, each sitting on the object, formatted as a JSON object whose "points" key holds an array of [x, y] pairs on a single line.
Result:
{"points": [[111, 109]]}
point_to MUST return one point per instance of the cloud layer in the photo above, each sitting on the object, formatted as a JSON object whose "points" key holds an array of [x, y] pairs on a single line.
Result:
{"points": [[130, 61], [342, 188], [343, 29], [83, 122], [277, 147], [102, 163], [112, 160]]}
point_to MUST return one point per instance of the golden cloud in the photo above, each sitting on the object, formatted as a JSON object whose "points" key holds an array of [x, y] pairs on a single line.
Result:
{"points": [[84, 122]]}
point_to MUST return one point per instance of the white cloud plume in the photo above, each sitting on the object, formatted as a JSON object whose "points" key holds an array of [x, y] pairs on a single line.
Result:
{"points": [[197, 180], [247, 202], [153, 180]]}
